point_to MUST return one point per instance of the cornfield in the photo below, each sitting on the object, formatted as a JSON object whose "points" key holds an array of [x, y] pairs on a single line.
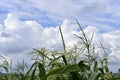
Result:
{"points": [[62, 65]]}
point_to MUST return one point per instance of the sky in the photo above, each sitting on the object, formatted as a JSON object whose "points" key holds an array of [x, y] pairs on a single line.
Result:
{"points": [[28, 24]]}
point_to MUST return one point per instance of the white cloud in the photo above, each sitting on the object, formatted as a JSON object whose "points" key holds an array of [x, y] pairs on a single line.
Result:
{"points": [[113, 38], [18, 34], [17, 37]]}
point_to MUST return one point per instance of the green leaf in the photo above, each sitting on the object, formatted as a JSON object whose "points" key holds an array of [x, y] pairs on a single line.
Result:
{"points": [[94, 76], [65, 69], [70, 68], [83, 66], [95, 66], [76, 76], [42, 72], [73, 71], [106, 68], [30, 69], [64, 59], [33, 74], [101, 70], [54, 72]]}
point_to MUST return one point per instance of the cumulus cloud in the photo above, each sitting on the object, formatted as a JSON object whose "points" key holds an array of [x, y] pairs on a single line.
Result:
{"points": [[113, 39], [11, 35], [18, 37]]}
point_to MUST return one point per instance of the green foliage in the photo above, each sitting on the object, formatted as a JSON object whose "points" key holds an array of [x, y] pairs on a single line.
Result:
{"points": [[65, 65]]}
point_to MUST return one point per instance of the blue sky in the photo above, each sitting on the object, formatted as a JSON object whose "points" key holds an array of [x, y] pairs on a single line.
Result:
{"points": [[27, 24], [89, 12]]}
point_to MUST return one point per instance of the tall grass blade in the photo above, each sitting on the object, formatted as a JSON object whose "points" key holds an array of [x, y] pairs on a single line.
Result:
{"points": [[83, 33], [64, 47], [33, 74], [30, 69]]}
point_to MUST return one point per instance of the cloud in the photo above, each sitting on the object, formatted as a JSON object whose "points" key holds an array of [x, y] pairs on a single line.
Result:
{"points": [[14, 32], [113, 39], [18, 36]]}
